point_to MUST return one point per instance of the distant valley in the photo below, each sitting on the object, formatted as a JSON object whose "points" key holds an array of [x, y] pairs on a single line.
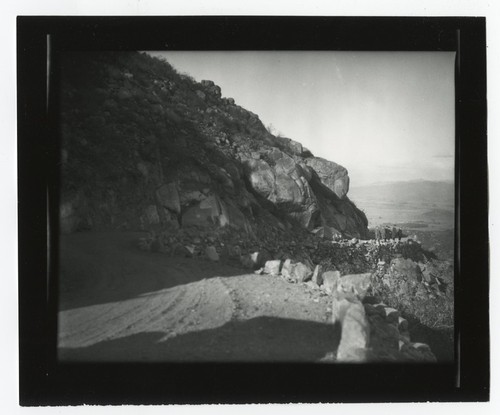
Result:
{"points": [[417, 204]]}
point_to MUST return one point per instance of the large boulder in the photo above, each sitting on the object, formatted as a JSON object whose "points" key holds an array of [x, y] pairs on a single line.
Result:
{"points": [[254, 260], [330, 280], [302, 272], [211, 253], [355, 330], [357, 284], [317, 276], [272, 267], [260, 176], [331, 174], [214, 211], [211, 88], [284, 186], [296, 272]]}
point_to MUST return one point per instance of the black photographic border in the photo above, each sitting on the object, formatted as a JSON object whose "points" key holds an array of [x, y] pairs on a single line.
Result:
{"points": [[45, 381]]}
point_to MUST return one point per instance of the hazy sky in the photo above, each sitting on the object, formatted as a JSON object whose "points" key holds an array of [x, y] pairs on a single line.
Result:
{"points": [[385, 116]]}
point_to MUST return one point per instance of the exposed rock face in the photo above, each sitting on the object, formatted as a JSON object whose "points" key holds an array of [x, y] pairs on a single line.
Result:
{"points": [[147, 148], [331, 174]]}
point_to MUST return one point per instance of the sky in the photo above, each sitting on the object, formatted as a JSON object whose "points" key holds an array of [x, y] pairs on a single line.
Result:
{"points": [[385, 116]]}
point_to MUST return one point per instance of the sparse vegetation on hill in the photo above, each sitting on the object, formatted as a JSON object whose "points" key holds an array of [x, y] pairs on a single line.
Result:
{"points": [[132, 127]]}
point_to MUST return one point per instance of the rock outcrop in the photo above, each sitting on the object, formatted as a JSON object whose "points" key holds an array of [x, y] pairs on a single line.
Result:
{"points": [[146, 148]]}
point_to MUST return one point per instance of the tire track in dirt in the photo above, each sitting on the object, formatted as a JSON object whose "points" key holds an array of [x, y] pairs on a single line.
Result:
{"points": [[175, 311], [220, 318]]}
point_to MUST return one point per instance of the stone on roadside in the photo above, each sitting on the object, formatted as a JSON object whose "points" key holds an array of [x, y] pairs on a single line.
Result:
{"points": [[301, 272], [253, 261], [330, 279], [287, 269], [357, 284], [317, 276], [211, 253], [272, 267], [191, 249], [354, 335], [180, 250], [258, 259], [312, 285], [246, 261], [339, 307]]}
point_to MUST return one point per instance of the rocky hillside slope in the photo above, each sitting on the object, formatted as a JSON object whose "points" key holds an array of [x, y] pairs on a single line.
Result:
{"points": [[145, 148]]}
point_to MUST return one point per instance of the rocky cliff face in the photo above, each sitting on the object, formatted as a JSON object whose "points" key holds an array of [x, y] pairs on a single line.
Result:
{"points": [[144, 147]]}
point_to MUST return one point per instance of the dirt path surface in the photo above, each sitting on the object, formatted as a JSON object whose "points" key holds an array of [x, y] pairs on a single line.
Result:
{"points": [[121, 304]]}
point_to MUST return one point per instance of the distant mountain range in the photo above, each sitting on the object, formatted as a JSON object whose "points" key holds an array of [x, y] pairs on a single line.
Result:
{"points": [[431, 193]]}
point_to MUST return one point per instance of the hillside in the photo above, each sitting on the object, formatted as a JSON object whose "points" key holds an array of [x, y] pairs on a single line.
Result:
{"points": [[145, 148]]}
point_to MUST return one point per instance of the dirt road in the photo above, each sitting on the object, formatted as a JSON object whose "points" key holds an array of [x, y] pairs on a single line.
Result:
{"points": [[121, 304]]}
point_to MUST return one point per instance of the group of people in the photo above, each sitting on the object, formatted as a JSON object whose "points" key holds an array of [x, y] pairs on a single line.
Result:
{"points": [[386, 232]]}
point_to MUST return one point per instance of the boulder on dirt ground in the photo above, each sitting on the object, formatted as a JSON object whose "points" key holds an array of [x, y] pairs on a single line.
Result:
{"points": [[211, 253], [357, 284], [330, 279], [246, 261], [312, 285], [339, 306], [297, 272], [317, 276], [287, 269], [181, 251], [258, 258], [254, 260], [302, 272], [191, 249], [272, 267], [355, 333]]}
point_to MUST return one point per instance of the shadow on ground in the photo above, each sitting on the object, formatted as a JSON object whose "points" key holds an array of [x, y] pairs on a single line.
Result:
{"points": [[261, 339], [441, 342], [100, 267]]}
